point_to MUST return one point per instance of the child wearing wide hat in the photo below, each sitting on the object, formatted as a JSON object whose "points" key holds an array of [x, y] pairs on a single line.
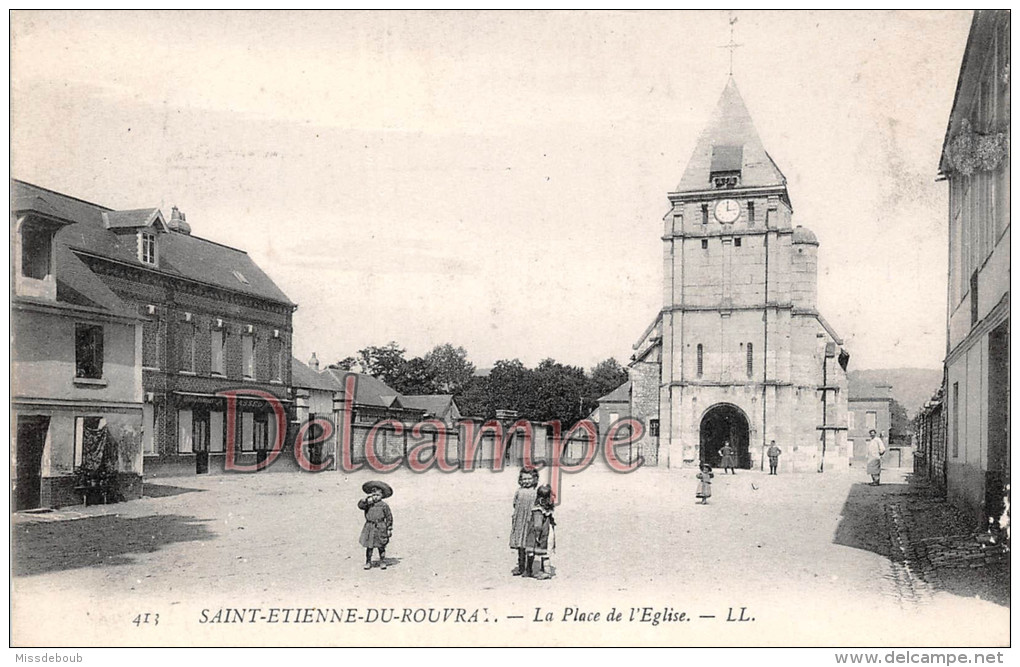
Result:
{"points": [[537, 540], [524, 501], [378, 521], [705, 483]]}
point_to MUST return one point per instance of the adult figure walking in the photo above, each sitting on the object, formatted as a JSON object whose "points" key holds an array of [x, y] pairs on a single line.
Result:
{"points": [[729, 457], [773, 453], [876, 448]]}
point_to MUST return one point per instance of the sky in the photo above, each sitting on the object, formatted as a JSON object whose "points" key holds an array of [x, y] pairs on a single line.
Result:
{"points": [[498, 180]]}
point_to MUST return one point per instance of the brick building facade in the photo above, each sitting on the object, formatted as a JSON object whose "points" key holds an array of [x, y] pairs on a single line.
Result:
{"points": [[212, 321], [739, 351]]}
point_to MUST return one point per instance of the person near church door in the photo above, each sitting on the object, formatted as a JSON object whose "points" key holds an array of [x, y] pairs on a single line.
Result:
{"points": [[876, 448], [729, 457], [773, 453], [705, 483]]}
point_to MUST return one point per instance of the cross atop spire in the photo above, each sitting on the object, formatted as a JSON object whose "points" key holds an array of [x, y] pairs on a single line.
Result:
{"points": [[732, 46]]}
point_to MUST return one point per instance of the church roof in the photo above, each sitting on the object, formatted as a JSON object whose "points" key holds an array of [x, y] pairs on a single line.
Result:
{"points": [[804, 235], [730, 142]]}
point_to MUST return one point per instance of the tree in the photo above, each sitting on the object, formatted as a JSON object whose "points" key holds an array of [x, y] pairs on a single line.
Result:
{"points": [[474, 399], [450, 368], [899, 423], [511, 386], [345, 364], [606, 376], [416, 376], [386, 363], [562, 393]]}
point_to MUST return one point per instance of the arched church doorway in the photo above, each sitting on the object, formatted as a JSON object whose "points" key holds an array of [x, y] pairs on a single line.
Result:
{"points": [[720, 423]]}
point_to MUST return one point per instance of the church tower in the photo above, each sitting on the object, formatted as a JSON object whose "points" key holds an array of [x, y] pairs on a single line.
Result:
{"points": [[739, 351]]}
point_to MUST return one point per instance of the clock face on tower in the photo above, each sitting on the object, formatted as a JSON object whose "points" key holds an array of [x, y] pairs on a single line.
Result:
{"points": [[727, 210]]}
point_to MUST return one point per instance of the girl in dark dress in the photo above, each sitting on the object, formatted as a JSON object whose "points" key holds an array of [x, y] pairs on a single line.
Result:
{"points": [[378, 521], [542, 523]]}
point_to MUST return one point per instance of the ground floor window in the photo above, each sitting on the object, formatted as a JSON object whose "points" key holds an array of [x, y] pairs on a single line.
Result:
{"points": [[185, 434], [247, 434], [216, 431], [150, 425], [86, 440]]}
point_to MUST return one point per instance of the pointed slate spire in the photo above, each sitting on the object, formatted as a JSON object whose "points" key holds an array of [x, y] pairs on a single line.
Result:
{"points": [[731, 137]]}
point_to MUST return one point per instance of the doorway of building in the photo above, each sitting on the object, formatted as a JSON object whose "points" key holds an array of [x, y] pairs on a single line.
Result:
{"points": [[724, 422], [200, 440], [28, 479], [997, 475]]}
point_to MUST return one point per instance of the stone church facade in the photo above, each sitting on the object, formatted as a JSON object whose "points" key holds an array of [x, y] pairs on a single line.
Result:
{"points": [[739, 351]]}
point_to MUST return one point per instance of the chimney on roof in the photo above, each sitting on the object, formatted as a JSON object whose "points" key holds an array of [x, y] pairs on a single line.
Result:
{"points": [[178, 222], [314, 363]]}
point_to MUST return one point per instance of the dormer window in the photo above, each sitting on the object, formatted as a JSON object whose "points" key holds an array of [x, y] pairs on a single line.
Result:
{"points": [[147, 247], [36, 252]]}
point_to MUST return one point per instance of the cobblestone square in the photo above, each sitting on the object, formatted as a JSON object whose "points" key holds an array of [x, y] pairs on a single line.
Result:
{"points": [[811, 558]]}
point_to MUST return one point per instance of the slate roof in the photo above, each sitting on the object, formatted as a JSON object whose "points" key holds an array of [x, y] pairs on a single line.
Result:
{"points": [[304, 377], [861, 390], [619, 395], [139, 217], [434, 404], [180, 255], [78, 286], [729, 136], [804, 235], [370, 391]]}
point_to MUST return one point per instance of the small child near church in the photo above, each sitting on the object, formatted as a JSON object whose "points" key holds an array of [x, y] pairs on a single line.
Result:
{"points": [[524, 501], [542, 523], [705, 483]]}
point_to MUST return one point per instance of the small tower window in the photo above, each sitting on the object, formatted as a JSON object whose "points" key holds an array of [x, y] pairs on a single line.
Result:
{"points": [[750, 212], [704, 214], [704, 244], [750, 359], [736, 242], [725, 179], [701, 360]]}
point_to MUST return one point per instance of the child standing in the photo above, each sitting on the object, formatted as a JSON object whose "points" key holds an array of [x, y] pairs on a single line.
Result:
{"points": [[378, 521], [542, 523], [729, 458], [773, 453], [524, 501], [705, 483]]}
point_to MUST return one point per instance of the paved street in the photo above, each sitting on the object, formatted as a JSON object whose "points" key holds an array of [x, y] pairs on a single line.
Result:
{"points": [[807, 555]]}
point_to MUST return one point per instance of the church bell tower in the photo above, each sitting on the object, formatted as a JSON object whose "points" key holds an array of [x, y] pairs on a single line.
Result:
{"points": [[740, 350]]}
